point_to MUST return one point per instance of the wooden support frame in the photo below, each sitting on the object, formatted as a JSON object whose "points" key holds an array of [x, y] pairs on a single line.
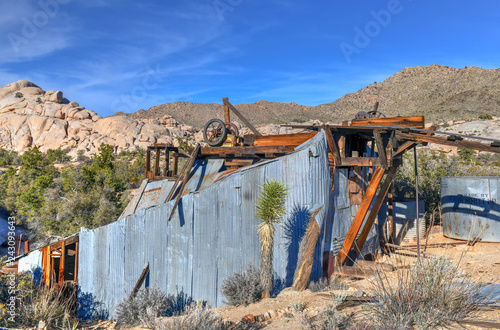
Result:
{"points": [[379, 142], [360, 215], [384, 189]]}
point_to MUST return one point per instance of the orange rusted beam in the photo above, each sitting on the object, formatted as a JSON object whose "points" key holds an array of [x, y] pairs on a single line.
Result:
{"points": [[360, 215]]}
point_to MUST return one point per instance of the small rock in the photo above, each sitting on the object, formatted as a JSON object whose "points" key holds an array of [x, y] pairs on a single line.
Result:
{"points": [[450, 122], [267, 315], [249, 319], [272, 313], [359, 293]]}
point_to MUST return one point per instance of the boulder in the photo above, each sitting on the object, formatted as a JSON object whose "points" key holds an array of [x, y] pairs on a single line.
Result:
{"points": [[54, 96]]}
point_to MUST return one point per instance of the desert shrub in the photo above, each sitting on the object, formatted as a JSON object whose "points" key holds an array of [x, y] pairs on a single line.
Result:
{"points": [[195, 317], [243, 288], [330, 319], [19, 95], [336, 283], [147, 304], [8, 158], [428, 295], [298, 307], [485, 116], [34, 303]]}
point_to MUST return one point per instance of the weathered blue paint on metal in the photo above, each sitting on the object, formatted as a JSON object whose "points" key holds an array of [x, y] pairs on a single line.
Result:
{"points": [[404, 219], [213, 233], [470, 208]]}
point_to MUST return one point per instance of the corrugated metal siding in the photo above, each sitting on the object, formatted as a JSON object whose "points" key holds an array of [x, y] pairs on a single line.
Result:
{"points": [[213, 232], [470, 208]]}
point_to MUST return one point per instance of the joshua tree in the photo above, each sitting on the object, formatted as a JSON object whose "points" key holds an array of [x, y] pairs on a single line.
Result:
{"points": [[270, 208]]}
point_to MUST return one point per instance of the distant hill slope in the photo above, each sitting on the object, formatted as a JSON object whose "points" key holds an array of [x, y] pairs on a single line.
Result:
{"points": [[439, 92]]}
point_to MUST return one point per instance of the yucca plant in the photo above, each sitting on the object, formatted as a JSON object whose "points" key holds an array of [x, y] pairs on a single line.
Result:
{"points": [[270, 208]]}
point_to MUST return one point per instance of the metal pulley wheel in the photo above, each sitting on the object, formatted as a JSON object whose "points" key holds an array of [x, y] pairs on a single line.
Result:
{"points": [[215, 132]]}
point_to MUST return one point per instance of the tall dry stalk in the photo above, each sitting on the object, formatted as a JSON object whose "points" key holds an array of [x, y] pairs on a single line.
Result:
{"points": [[270, 209]]}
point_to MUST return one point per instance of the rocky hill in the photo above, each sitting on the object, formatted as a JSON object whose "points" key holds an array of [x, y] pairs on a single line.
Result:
{"points": [[439, 92], [32, 117]]}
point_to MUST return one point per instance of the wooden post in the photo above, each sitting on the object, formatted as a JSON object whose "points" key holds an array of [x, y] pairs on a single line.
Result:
{"points": [[380, 148], [61, 264], [148, 164], [176, 164], [227, 114], [306, 254], [384, 188], [156, 171], [167, 159], [360, 215]]}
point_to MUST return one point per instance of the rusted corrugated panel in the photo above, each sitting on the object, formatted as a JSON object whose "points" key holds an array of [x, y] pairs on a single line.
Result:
{"points": [[470, 208], [213, 232]]}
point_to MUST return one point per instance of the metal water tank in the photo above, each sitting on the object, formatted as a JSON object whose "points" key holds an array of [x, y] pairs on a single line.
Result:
{"points": [[470, 208]]}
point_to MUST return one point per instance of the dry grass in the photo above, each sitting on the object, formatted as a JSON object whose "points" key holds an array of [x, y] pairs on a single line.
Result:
{"points": [[243, 288], [429, 294]]}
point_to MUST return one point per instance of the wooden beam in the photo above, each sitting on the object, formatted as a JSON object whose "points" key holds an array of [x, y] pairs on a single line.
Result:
{"points": [[245, 151], [61, 264], [306, 254], [239, 162], [442, 140], [156, 171], [148, 163], [237, 113], [405, 146], [360, 215], [282, 139], [361, 161], [409, 121], [384, 189], [185, 180], [380, 149], [227, 114], [334, 150], [141, 280]]}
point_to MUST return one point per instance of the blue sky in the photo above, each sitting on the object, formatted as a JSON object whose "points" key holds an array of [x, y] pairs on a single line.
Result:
{"points": [[125, 55]]}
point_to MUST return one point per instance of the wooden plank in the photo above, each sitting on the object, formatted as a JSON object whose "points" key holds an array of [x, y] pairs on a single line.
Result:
{"points": [[360, 215], [409, 121], [361, 161], [283, 139], [61, 264], [482, 324], [384, 189], [237, 113], [141, 280], [442, 140], [306, 254], [380, 149], [185, 180], [239, 162], [148, 161], [334, 150], [245, 151]]}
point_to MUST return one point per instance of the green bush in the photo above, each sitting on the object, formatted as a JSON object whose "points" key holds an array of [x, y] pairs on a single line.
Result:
{"points": [[59, 202], [19, 95], [485, 117]]}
